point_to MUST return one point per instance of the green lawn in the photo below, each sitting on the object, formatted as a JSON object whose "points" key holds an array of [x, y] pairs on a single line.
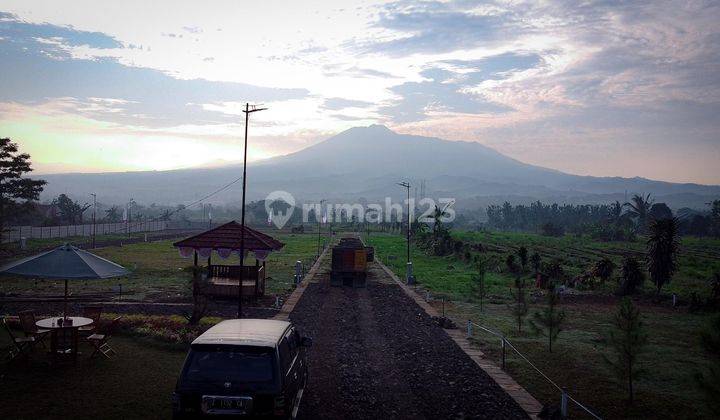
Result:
{"points": [[136, 383], [157, 270], [673, 355]]}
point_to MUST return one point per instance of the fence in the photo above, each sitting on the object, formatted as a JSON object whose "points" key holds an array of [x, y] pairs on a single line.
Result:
{"points": [[13, 234], [505, 343]]}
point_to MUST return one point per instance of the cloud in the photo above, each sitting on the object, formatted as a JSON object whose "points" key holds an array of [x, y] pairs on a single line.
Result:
{"points": [[435, 27], [447, 87], [531, 78], [332, 70], [24, 34], [336, 104], [35, 71]]}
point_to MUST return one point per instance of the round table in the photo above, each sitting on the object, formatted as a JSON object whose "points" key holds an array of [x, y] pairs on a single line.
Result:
{"points": [[64, 335], [52, 323]]}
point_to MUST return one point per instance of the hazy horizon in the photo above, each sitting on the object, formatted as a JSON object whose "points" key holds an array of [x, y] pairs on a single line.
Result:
{"points": [[226, 163]]}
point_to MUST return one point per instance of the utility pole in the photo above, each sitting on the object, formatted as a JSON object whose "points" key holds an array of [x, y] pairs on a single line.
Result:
{"points": [[128, 206], [319, 219], [94, 211], [248, 109], [408, 274]]}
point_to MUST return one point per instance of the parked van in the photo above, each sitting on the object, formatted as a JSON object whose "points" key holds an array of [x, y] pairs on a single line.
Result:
{"points": [[244, 368]]}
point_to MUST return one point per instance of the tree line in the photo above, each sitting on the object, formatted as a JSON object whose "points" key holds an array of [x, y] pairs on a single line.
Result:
{"points": [[610, 222]]}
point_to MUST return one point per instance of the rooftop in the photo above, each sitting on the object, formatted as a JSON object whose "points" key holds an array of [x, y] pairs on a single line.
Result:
{"points": [[227, 236], [253, 332]]}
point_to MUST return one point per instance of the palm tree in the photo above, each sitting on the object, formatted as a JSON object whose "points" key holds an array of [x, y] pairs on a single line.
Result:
{"points": [[631, 276], [639, 209], [615, 213], [663, 246], [604, 269]]}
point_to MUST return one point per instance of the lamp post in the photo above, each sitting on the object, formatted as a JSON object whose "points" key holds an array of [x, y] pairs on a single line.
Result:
{"points": [[94, 211], [128, 206], [248, 110], [319, 219], [408, 273]]}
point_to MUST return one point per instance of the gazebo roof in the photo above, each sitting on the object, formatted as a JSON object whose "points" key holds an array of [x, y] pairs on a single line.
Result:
{"points": [[227, 236]]}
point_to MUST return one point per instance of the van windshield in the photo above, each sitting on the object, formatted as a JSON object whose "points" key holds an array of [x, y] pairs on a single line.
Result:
{"points": [[238, 364]]}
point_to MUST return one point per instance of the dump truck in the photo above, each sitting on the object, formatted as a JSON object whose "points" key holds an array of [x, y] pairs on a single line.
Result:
{"points": [[349, 263]]}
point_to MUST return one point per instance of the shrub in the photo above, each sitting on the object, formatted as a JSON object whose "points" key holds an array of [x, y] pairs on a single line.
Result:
{"points": [[549, 229], [632, 276]]}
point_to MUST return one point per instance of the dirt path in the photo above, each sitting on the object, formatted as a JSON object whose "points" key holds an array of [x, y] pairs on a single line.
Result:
{"points": [[376, 354]]}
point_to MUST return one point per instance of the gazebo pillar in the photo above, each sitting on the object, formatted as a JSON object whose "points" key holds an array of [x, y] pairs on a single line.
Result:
{"points": [[257, 275]]}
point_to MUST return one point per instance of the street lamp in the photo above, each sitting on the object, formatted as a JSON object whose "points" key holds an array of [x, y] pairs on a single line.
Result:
{"points": [[94, 196], [128, 206], [319, 219], [408, 274], [248, 110]]}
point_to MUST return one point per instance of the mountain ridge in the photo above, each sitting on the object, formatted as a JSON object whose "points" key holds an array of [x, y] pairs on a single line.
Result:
{"points": [[366, 162]]}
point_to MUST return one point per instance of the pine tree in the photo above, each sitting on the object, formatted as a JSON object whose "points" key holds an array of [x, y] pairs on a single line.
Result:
{"points": [[628, 340], [13, 186], [548, 322], [479, 280], [520, 307]]}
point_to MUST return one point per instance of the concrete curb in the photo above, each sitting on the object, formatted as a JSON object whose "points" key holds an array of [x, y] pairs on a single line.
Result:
{"points": [[525, 400]]}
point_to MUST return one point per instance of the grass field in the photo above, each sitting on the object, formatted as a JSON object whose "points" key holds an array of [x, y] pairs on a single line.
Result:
{"points": [[136, 383], [672, 357], [157, 270]]}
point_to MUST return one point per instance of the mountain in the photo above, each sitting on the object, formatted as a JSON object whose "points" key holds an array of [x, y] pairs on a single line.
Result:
{"points": [[366, 163]]}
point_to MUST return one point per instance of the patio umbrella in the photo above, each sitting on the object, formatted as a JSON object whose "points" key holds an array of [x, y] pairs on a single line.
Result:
{"points": [[65, 262]]}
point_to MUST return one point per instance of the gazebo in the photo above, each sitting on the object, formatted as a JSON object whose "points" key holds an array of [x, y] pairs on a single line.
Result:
{"points": [[223, 280]]}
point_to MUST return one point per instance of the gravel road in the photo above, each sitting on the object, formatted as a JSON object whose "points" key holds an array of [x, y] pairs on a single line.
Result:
{"points": [[376, 354]]}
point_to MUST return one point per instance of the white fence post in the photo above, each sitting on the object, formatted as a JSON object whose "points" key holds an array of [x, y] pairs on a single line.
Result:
{"points": [[469, 329], [502, 344], [564, 404]]}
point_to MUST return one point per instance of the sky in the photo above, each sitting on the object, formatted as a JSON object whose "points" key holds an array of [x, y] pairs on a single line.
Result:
{"points": [[599, 88]]}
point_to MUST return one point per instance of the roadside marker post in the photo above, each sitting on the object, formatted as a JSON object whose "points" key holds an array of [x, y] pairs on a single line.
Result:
{"points": [[502, 344]]}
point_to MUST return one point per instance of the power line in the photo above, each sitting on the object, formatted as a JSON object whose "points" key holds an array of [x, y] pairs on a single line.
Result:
{"points": [[198, 201]]}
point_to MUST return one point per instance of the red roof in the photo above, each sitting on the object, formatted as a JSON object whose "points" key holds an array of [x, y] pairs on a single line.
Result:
{"points": [[227, 236]]}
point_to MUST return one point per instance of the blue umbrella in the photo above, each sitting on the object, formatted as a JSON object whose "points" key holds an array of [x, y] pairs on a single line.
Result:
{"points": [[65, 262]]}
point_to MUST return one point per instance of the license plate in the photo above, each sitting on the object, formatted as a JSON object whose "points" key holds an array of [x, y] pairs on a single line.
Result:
{"points": [[220, 404]]}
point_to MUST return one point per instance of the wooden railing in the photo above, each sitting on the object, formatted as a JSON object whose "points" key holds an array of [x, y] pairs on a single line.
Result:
{"points": [[233, 272]]}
